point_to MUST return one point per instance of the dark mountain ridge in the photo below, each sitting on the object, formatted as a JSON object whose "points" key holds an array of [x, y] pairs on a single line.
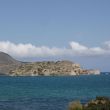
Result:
{"points": [[7, 63], [6, 59]]}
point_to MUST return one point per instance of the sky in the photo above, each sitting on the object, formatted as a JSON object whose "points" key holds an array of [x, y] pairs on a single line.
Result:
{"points": [[77, 30]]}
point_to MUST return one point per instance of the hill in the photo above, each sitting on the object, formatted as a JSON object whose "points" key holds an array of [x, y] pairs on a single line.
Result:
{"points": [[6, 59], [7, 63]]}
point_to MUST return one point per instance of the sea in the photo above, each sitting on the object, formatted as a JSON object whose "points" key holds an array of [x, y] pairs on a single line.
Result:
{"points": [[50, 92]]}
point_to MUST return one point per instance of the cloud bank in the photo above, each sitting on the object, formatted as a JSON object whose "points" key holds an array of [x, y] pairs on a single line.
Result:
{"points": [[75, 49]]}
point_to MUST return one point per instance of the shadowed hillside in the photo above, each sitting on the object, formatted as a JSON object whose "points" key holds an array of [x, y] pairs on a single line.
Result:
{"points": [[6, 59], [7, 63]]}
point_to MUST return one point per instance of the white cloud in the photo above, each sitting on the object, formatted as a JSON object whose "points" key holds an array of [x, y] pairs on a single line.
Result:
{"points": [[76, 49], [28, 50], [82, 50]]}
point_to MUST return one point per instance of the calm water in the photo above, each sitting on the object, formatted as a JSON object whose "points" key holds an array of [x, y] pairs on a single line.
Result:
{"points": [[50, 93]]}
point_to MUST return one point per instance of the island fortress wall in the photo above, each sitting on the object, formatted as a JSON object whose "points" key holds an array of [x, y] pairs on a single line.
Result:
{"points": [[52, 68]]}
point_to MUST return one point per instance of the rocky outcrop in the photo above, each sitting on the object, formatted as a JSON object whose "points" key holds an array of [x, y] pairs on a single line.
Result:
{"points": [[100, 103], [12, 67]]}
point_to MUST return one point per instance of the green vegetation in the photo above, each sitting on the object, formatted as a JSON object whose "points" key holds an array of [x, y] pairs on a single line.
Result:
{"points": [[100, 103]]}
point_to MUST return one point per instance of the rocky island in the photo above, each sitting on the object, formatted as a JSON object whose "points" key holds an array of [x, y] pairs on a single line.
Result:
{"points": [[10, 66]]}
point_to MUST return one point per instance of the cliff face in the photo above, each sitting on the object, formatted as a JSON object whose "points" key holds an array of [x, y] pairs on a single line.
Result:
{"points": [[12, 67]]}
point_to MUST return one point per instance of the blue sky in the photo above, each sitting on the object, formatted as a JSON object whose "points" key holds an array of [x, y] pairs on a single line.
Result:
{"points": [[56, 24]]}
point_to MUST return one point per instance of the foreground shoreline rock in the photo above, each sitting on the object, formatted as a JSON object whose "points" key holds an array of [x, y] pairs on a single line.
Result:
{"points": [[44, 68], [100, 103]]}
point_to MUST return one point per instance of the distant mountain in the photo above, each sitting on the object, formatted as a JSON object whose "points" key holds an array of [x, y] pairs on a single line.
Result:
{"points": [[7, 63], [6, 59]]}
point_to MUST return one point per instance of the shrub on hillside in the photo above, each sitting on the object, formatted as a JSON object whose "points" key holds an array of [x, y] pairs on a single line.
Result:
{"points": [[76, 105]]}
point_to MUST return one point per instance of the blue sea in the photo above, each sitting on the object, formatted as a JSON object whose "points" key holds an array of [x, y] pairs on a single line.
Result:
{"points": [[50, 93]]}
